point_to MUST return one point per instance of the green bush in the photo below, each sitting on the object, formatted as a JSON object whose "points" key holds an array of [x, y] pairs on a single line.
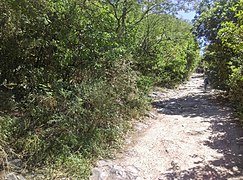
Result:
{"points": [[236, 89], [75, 75], [6, 134], [164, 54], [89, 118]]}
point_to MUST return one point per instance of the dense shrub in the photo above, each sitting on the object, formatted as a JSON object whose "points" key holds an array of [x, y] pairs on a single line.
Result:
{"points": [[73, 75], [164, 54]]}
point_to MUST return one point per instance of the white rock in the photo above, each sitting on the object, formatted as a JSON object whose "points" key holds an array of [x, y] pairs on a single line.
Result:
{"points": [[132, 169], [20, 177], [95, 174], [104, 163], [11, 176]]}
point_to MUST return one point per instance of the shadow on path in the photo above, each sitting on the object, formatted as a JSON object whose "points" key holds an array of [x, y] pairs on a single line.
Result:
{"points": [[191, 106], [226, 137]]}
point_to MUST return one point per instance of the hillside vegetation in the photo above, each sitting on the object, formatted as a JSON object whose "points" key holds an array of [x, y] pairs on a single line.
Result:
{"points": [[74, 73], [219, 26]]}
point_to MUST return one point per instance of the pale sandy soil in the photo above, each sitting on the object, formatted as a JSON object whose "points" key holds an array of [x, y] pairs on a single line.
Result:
{"points": [[190, 135]]}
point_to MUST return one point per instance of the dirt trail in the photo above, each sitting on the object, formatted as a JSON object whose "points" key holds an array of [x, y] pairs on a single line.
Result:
{"points": [[188, 136]]}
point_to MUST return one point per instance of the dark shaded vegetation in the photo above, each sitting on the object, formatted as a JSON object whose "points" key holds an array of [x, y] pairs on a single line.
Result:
{"points": [[73, 74]]}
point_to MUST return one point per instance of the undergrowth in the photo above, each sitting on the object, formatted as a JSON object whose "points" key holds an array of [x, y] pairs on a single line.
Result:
{"points": [[67, 126]]}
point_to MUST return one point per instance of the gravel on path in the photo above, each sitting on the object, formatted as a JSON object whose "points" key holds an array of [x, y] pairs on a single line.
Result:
{"points": [[189, 135]]}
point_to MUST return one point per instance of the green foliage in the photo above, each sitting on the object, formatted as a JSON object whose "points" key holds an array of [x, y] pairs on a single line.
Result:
{"points": [[74, 166], [145, 83], [73, 74], [231, 36], [74, 118], [221, 26], [6, 123], [164, 53], [6, 133]]}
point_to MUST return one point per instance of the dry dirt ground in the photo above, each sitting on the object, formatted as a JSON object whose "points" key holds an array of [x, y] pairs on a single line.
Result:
{"points": [[189, 135]]}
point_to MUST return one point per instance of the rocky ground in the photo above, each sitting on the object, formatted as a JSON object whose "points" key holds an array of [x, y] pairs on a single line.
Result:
{"points": [[189, 134]]}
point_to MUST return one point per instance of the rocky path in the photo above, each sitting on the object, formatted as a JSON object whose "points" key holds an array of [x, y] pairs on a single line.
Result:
{"points": [[189, 135]]}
